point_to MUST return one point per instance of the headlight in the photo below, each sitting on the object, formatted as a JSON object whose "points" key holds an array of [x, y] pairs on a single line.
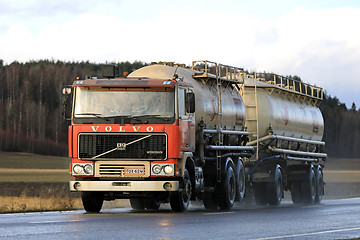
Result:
{"points": [[168, 169], [88, 169], [156, 169], [83, 169], [78, 169]]}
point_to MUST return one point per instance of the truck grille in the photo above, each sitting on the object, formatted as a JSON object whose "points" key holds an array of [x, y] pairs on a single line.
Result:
{"points": [[122, 146], [116, 169]]}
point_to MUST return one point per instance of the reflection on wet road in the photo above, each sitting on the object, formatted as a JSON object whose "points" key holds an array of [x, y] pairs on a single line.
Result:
{"points": [[333, 219]]}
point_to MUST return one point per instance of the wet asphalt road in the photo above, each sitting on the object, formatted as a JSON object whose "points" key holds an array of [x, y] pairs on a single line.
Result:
{"points": [[333, 219]]}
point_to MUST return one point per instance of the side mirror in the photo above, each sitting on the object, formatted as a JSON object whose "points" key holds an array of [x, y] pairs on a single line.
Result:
{"points": [[190, 102], [67, 103]]}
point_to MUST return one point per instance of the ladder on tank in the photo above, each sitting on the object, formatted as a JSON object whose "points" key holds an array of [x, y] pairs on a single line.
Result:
{"points": [[232, 75], [253, 114], [220, 122]]}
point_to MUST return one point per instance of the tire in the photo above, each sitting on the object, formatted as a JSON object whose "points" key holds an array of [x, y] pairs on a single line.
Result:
{"points": [[260, 194], [152, 204], [227, 191], [179, 201], [309, 187], [240, 181], [296, 194], [319, 185], [275, 189], [137, 204], [92, 201]]}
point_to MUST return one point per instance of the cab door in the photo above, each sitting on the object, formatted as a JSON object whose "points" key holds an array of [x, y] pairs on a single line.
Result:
{"points": [[186, 119]]}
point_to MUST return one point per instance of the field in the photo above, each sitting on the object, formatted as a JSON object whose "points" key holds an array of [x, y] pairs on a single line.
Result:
{"points": [[30, 182], [342, 178]]}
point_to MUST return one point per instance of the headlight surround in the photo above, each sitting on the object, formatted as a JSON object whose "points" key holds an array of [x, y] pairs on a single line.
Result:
{"points": [[162, 169], [83, 169]]}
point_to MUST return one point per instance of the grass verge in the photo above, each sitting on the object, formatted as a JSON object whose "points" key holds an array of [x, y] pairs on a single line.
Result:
{"points": [[36, 204], [30, 197]]}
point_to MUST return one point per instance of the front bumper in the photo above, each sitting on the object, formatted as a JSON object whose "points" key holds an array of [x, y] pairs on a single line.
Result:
{"points": [[124, 186]]}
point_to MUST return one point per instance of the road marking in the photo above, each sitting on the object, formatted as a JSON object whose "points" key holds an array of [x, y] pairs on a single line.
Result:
{"points": [[308, 234], [342, 171], [218, 213], [65, 221]]}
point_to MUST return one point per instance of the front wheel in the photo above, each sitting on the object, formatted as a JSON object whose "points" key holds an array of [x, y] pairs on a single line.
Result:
{"points": [[179, 201], [92, 201]]}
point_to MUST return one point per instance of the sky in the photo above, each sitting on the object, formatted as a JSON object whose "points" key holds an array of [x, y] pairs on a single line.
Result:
{"points": [[318, 40]]}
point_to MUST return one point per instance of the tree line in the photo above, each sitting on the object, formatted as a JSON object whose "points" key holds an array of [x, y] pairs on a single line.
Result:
{"points": [[32, 120], [31, 103], [342, 128]]}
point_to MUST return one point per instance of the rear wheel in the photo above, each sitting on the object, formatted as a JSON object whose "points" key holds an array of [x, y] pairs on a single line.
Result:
{"points": [[275, 189], [309, 187], [179, 201], [227, 191], [92, 201], [319, 185], [240, 180], [137, 204]]}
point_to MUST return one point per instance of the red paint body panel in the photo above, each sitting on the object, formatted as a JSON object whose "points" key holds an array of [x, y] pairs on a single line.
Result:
{"points": [[70, 142]]}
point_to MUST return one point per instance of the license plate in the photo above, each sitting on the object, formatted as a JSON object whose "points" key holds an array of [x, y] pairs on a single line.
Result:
{"points": [[134, 171]]}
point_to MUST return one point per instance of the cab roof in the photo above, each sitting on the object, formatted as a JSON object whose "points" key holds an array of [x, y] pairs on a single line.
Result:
{"points": [[125, 82]]}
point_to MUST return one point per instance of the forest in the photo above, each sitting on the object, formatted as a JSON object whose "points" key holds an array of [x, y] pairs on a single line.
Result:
{"points": [[31, 103], [32, 120]]}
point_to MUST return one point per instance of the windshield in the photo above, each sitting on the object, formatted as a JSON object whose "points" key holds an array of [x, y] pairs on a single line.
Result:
{"points": [[113, 106]]}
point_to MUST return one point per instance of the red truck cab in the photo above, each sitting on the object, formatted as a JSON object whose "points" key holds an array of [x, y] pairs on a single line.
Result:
{"points": [[128, 138]]}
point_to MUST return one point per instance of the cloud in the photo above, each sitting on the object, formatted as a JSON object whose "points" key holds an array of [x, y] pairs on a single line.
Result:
{"points": [[321, 46]]}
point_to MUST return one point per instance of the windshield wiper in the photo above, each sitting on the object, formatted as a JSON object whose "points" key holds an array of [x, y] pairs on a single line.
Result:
{"points": [[146, 115], [165, 118], [120, 119], [98, 115]]}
